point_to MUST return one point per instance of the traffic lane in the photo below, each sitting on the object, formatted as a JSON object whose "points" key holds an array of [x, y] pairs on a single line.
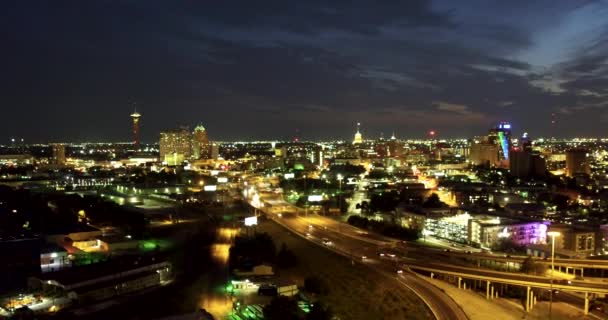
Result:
{"points": [[344, 228], [444, 306], [578, 302]]}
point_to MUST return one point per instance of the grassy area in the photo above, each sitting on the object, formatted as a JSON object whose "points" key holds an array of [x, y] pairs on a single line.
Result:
{"points": [[356, 292]]}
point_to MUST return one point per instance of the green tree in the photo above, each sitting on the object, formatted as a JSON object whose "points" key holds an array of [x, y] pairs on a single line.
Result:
{"points": [[316, 285], [433, 202], [281, 308], [527, 266], [319, 312], [286, 258]]}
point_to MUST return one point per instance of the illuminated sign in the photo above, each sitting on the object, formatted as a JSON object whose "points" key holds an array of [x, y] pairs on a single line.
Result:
{"points": [[289, 176], [210, 188], [222, 179], [214, 172], [251, 221], [315, 198]]}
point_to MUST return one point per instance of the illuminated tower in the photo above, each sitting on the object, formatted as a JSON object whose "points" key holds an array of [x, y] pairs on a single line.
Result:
{"points": [[135, 117], [501, 136], [358, 136]]}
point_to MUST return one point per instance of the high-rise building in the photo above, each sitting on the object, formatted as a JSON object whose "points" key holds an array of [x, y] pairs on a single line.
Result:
{"points": [[175, 146], [501, 136], [394, 148], [135, 117], [200, 143], [58, 154], [358, 137], [215, 151], [520, 164], [484, 153], [577, 162]]}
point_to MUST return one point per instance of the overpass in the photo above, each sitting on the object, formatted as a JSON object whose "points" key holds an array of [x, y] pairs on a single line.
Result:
{"points": [[527, 281], [563, 265]]}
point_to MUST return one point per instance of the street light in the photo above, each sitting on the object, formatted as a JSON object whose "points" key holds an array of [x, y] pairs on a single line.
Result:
{"points": [[552, 234], [339, 177]]}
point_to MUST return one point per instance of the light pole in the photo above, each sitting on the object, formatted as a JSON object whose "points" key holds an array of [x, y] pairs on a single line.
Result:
{"points": [[552, 234], [339, 177]]}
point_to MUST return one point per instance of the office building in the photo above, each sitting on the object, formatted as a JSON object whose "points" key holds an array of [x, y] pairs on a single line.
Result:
{"points": [[577, 162], [58, 154], [483, 153], [201, 149], [175, 146]]}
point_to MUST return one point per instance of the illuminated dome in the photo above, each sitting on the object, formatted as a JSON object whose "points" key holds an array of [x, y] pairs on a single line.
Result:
{"points": [[199, 128]]}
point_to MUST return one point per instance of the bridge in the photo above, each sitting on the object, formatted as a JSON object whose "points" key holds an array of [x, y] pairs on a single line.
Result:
{"points": [[529, 282]]}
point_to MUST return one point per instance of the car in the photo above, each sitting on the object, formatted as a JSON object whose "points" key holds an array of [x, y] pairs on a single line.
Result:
{"points": [[363, 257], [399, 271], [447, 250], [327, 242], [307, 234]]}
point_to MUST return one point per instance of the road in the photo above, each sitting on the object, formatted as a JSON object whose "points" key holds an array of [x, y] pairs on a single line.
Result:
{"points": [[571, 263], [509, 277], [350, 242]]}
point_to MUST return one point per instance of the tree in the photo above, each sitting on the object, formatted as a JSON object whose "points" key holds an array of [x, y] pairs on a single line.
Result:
{"points": [[531, 267], [316, 285], [433, 202], [281, 308], [318, 312], [286, 258], [527, 266]]}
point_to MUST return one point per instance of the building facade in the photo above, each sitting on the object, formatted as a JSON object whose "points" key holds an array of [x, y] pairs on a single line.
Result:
{"points": [[175, 146]]}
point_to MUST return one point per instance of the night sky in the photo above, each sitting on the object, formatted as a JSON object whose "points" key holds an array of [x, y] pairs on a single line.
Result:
{"points": [[71, 70]]}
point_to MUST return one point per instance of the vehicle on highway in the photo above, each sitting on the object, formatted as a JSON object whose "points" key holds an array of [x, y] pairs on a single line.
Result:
{"points": [[563, 281], [385, 254], [307, 234], [363, 257], [327, 242], [399, 271]]}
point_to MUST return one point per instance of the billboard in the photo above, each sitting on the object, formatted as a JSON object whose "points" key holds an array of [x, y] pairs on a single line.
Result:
{"points": [[315, 198], [289, 175], [251, 221], [222, 179]]}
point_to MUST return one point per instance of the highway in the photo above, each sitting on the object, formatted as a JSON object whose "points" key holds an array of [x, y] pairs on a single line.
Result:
{"points": [[509, 278], [351, 242], [356, 244], [366, 248]]}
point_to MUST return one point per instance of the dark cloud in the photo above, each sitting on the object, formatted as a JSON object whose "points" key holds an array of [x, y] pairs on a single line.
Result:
{"points": [[262, 69]]}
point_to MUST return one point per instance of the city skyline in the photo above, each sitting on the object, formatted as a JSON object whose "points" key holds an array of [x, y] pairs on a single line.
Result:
{"points": [[408, 68]]}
